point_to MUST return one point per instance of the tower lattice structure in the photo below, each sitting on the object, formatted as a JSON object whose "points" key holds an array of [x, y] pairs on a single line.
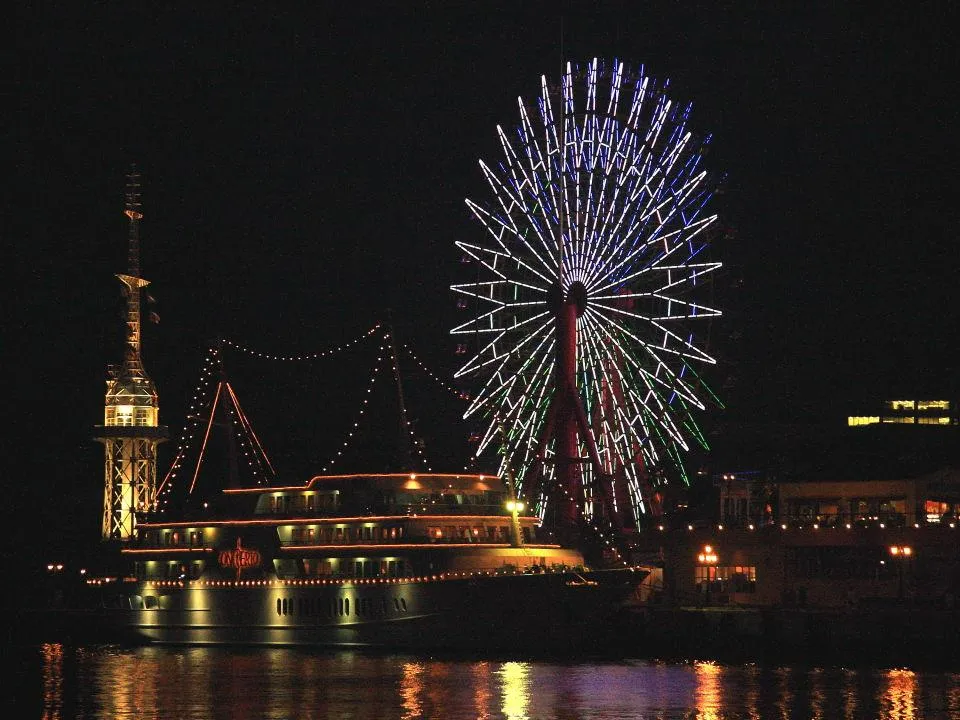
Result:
{"points": [[131, 431]]}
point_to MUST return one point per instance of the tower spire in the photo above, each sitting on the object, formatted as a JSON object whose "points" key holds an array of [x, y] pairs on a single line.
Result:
{"points": [[132, 360], [130, 431]]}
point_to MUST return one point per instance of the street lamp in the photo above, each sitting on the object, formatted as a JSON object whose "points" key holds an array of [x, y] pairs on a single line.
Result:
{"points": [[515, 507], [902, 553], [709, 558]]}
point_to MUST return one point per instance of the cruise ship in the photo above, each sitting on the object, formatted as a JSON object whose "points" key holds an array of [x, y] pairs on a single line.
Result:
{"points": [[394, 560], [409, 559]]}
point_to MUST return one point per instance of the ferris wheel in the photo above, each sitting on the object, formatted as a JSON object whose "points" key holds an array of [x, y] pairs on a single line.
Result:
{"points": [[591, 280]]}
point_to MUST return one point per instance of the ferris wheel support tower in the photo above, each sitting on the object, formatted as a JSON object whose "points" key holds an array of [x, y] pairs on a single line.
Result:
{"points": [[131, 431]]}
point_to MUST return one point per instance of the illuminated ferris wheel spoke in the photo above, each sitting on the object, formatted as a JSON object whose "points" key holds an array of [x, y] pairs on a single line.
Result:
{"points": [[489, 393], [592, 271], [648, 378], [637, 404]]}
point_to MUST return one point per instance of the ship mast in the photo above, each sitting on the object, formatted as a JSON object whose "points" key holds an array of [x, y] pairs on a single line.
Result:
{"points": [[130, 432]]}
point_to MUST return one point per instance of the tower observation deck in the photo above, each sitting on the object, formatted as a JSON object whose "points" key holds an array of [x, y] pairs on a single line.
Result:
{"points": [[131, 431]]}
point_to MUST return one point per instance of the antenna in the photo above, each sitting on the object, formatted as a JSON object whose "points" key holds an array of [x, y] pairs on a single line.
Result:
{"points": [[133, 210], [133, 364]]}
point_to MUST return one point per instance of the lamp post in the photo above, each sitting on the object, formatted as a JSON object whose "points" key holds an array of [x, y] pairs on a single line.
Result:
{"points": [[708, 558], [516, 537], [900, 553]]}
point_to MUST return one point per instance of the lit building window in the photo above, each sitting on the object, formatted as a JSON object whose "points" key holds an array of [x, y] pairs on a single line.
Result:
{"points": [[729, 578], [855, 420], [933, 404]]}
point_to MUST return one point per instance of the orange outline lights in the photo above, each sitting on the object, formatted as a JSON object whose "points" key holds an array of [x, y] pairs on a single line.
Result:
{"points": [[708, 556]]}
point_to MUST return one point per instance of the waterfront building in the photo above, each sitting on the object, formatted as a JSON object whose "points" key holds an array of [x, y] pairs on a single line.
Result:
{"points": [[831, 544], [909, 412]]}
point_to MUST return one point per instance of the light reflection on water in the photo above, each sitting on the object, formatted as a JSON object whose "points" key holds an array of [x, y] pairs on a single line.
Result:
{"points": [[151, 682]]}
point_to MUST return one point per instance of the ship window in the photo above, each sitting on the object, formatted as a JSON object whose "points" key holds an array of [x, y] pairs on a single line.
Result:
{"points": [[340, 607], [338, 536], [279, 607], [403, 604], [396, 603], [346, 606]]}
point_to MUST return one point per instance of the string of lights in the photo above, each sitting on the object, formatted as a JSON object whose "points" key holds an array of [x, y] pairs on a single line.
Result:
{"points": [[459, 394], [415, 442], [200, 399], [355, 428], [306, 356], [188, 436]]}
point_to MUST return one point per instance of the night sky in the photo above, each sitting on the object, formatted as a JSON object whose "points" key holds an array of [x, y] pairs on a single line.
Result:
{"points": [[304, 173]]}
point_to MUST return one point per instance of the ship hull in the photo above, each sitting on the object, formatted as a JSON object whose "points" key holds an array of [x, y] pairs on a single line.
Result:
{"points": [[547, 611]]}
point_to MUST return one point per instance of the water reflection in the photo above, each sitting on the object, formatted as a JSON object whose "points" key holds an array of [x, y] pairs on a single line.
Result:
{"points": [[848, 691], [481, 693], [52, 654], [751, 692], [899, 702], [515, 681], [709, 695], [783, 695], [817, 694], [154, 682], [411, 688]]}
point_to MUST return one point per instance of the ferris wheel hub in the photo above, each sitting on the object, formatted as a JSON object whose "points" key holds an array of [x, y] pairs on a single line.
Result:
{"points": [[576, 294]]}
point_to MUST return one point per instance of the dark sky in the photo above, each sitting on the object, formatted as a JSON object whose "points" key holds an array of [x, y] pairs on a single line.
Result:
{"points": [[304, 172]]}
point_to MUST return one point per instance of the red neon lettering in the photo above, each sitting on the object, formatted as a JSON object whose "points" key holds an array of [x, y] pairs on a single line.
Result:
{"points": [[240, 558]]}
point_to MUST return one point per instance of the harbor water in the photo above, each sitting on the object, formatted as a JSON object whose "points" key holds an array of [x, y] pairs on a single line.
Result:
{"points": [[57, 680]]}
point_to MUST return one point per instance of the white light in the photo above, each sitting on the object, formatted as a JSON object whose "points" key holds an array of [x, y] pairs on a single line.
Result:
{"points": [[631, 192]]}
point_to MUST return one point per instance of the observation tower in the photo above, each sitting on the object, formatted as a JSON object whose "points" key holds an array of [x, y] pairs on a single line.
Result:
{"points": [[130, 432]]}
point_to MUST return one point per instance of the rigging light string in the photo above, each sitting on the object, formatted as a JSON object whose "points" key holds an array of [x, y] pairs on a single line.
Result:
{"points": [[306, 356], [471, 463], [459, 394], [213, 359], [415, 443], [377, 365]]}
